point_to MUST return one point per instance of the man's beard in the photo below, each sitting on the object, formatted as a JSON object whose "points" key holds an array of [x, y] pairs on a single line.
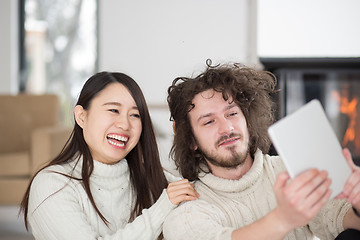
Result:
{"points": [[236, 159]]}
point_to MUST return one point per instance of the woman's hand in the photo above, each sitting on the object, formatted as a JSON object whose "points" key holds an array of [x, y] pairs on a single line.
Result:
{"points": [[181, 191], [300, 200]]}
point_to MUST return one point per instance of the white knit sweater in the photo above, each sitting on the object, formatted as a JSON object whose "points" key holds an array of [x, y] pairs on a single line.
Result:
{"points": [[60, 209], [225, 205]]}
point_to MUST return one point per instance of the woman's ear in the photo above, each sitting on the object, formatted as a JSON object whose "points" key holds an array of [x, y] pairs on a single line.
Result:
{"points": [[79, 114], [173, 126]]}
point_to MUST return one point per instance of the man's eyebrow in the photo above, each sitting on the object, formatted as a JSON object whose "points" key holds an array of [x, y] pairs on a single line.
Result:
{"points": [[230, 106], [205, 116]]}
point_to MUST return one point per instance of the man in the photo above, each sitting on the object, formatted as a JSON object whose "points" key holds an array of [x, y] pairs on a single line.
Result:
{"points": [[221, 119]]}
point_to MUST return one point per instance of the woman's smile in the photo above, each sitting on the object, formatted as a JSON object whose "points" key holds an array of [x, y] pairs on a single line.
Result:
{"points": [[117, 140]]}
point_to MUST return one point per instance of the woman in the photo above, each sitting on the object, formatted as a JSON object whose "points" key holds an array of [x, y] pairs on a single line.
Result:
{"points": [[107, 182]]}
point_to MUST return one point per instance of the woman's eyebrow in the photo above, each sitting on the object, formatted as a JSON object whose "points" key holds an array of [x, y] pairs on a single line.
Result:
{"points": [[112, 103], [118, 104]]}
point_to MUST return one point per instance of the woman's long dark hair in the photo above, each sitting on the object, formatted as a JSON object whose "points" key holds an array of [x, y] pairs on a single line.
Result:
{"points": [[146, 174]]}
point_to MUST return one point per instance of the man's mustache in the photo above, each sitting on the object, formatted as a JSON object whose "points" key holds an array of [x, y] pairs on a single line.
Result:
{"points": [[226, 137]]}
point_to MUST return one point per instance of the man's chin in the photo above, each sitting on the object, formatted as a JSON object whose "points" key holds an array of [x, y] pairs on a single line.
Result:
{"points": [[229, 163]]}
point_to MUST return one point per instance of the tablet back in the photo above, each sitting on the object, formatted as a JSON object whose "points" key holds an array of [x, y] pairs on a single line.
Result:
{"points": [[305, 139]]}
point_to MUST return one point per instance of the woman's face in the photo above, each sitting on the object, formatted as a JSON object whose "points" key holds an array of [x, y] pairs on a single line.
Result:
{"points": [[112, 124]]}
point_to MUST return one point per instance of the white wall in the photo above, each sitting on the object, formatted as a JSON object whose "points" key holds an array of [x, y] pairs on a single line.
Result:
{"points": [[156, 41], [177, 36], [308, 28], [9, 46]]}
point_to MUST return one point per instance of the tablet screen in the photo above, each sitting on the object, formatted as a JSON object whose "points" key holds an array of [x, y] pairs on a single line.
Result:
{"points": [[305, 139]]}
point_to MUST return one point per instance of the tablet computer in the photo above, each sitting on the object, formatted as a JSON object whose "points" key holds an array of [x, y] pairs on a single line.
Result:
{"points": [[305, 139]]}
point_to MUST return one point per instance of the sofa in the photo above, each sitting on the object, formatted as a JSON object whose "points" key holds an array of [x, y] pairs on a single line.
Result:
{"points": [[31, 134]]}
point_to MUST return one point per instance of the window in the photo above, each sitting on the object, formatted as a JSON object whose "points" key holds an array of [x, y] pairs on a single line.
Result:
{"points": [[58, 47]]}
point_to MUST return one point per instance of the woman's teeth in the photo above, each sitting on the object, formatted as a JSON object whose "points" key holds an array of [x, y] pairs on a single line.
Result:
{"points": [[119, 144], [120, 140], [118, 137]]}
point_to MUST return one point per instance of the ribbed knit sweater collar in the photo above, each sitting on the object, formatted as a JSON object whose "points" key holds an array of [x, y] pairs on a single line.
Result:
{"points": [[245, 182], [101, 169], [110, 171]]}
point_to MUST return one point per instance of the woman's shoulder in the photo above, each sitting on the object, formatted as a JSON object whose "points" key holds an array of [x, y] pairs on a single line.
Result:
{"points": [[53, 178], [55, 170]]}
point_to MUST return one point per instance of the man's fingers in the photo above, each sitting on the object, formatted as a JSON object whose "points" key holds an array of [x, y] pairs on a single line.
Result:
{"points": [[349, 159], [317, 184], [303, 179], [315, 208], [281, 180], [318, 193]]}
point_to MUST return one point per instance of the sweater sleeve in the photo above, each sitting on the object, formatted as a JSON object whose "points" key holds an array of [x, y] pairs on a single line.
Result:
{"points": [[196, 220], [57, 211], [328, 223]]}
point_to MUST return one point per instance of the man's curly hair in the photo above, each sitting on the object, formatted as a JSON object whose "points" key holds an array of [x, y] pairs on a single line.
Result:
{"points": [[249, 88]]}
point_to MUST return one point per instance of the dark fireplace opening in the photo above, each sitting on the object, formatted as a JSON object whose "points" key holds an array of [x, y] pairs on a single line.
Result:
{"points": [[333, 81]]}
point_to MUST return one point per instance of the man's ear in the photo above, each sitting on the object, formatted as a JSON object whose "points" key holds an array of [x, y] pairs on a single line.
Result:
{"points": [[193, 146], [79, 114]]}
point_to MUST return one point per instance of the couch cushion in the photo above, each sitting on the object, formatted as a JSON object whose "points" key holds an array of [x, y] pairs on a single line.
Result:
{"points": [[21, 114], [12, 190], [15, 164]]}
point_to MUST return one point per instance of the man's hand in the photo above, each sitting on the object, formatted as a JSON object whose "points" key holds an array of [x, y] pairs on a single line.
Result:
{"points": [[351, 191], [302, 198]]}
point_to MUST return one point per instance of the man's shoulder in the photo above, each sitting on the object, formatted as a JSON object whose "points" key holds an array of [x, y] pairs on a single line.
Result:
{"points": [[207, 205], [196, 207], [274, 162], [191, 219]]}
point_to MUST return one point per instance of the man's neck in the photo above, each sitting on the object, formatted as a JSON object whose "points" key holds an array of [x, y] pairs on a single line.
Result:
{"points": [[232, 173]]}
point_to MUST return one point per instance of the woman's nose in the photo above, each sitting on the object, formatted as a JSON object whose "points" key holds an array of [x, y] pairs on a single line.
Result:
{"points": [[123, 123]]}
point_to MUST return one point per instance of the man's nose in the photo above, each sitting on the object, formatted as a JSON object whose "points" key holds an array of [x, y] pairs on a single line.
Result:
{"points": [[225, 126]]}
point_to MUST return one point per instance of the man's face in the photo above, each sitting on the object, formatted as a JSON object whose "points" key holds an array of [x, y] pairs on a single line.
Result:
{"points": [[220, 129]]}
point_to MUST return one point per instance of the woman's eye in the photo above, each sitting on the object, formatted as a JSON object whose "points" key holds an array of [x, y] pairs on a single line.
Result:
{"points": [[135, 115], [233, 114], [114, 110]]}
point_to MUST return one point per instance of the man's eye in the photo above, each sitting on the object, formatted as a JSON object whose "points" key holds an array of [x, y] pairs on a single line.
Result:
{"points": [[208, 122]]}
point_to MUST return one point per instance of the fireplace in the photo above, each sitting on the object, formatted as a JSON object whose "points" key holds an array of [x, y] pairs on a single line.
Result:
{"points": [[334, 81]]}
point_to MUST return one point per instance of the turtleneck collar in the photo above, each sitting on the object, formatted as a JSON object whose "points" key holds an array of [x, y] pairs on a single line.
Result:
{"points": [[104, 170], [113, 170], [246, 181]]}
